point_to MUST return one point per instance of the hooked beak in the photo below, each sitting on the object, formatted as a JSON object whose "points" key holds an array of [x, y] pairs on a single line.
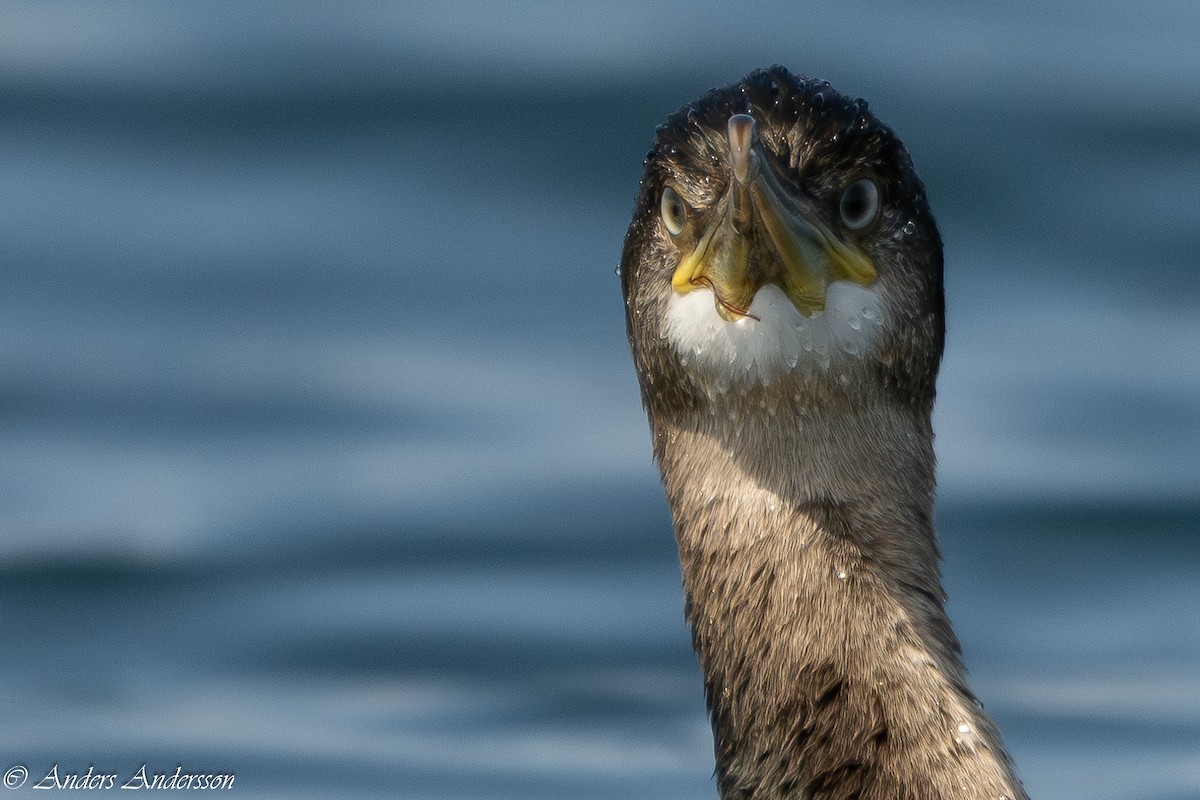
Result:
{"points": [[763, 233]]}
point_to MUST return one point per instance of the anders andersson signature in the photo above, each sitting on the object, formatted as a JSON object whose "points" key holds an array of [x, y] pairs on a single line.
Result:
{"points": [[141, 778]]}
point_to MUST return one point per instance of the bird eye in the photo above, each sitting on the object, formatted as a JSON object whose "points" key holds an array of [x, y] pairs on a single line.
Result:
{"points": [[673, 210], [860, 204]]}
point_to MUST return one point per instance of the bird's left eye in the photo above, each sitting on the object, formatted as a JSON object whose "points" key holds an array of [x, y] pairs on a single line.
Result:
{"points": [[860, 204], [673, 210]]}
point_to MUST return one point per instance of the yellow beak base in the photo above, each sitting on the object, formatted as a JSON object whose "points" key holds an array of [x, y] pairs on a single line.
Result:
{"points": [[761, 233]]}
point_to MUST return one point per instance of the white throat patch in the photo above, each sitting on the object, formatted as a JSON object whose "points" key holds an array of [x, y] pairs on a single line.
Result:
{"points": [[780, 339]]}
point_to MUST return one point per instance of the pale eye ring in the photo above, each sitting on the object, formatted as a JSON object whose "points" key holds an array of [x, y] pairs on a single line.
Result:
{"points": [[673, 210], [859, 205]]}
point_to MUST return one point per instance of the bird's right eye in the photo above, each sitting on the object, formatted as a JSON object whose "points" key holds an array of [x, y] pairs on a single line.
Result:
{"points": [[674, 211]]}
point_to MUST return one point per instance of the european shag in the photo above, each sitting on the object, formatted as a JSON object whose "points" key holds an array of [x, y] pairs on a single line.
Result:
{"points": [[783, 288]]}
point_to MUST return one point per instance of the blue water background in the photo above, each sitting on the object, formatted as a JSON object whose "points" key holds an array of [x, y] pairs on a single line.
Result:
{"points": [[322, 457]]}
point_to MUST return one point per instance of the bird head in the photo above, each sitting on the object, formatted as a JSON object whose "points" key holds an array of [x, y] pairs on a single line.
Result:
{"points": [[781, 237]]}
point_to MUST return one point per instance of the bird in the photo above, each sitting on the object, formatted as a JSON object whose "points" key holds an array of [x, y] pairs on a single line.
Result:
{"points": [[783, 286]]}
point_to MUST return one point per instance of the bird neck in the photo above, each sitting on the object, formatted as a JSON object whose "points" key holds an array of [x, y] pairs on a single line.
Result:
{"points": [[810, 568]]}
